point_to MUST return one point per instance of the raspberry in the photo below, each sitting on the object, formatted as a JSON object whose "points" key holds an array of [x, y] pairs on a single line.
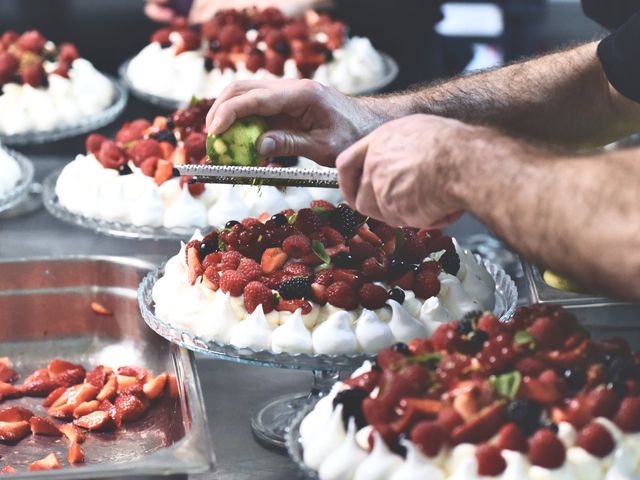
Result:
{"points": [[145, 149], [231, 259], [511, 437], [414, 249], [324, 277], [33, 74], [255, 60], [94, 142], [437, 244], [275, 63], [132, 131], [546, 332], [307, 221], [344, 219], [627, 417], [8, 38], [382, 230], [490, 325], [212, 259], [68, 52], [297, 287], [323, 204], [256, 293], [161, 36], [546, 450], [376, 411], [297, 246], [361, 250], [273, 280], [426, 285], [374, 270], [341, 295], [211, 276], [449, 418], [445, 337], [190, 40], [319, 293], [250, 268], [297, 269], [110, 155], [490, 461], [231, 36], [602, 402], [596, 440], [332, 236], [194, 147], [149, 166], [293, 305], [8, 66], [373, 296], [32, 40], [233, 282], [247, 222], [195, 189], [429, 437]]}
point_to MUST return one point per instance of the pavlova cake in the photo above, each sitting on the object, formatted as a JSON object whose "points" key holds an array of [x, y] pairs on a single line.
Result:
{"points": [[534, 399], [44, 86], [130, 178], [321, 280], [254, 44], [11, 173]]}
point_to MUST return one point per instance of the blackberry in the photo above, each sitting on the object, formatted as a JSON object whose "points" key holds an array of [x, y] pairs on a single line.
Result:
{"points": [[396, 294], [477, 338], [164, 136], [526, 414], [214, 46], [574, 378], [344, 219], [472, 316], [208, 64], [450, 262], [170, 124], [351, 401], [342, 260], [397, 268], [209, 245], [231, 223], [124, 169], [282, 48], [402, 348], [280, 219], [297, 287], [619, 387]]}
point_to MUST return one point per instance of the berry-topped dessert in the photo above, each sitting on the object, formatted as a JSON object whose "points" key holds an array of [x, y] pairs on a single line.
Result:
{"points": [[44, 86], [182, 60], [534, 398], [11, 173], [322, 280], [130, 178]]}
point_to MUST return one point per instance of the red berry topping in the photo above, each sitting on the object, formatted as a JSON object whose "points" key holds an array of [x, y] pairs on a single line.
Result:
{"points": [[233, 282], [307, 221], [511, 437], [32, 74], [297, 269], [429, 437], [332, 236], [323, 204], [68, 52], [110, 155], [547, 332], [145, 149], [251, 269], [293, 305], [341, 295], [546, 450], [231, 36], [628, 416], [149, 166], [324, 277], [255, 293], [426, 284], [33, 41], [373, 296], [297, 246], [94, 142], [602, 402], [374, 270], [231, 260], [596, 440], [490, 461]]}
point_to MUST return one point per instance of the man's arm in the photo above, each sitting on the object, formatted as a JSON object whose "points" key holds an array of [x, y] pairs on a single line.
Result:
{"points": [[563, 98]]}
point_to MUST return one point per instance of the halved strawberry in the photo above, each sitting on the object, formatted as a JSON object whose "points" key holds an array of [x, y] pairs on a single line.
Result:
{"points": [[272, 259], [8, 469], [155, 387], [44, 426], [85, 408], [15, 414], [38, 384], [126, 381], [75, 454], [98, 420], [193, 262], [482, 427], [50, 462], [8, 391], [164, 170], [512, 438], [367, 381], [429, 437], [7, 373], [97, 377], [73, 433], [110, 389], [140, 373], [66, 373], [130, 407], [12, 432], [110, 408], [538, 391]]}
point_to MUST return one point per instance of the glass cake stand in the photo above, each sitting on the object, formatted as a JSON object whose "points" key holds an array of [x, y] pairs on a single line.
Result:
{"points": [[84, 124], [174, 103], [14, 199], [113, 229], [270, 424], [294, 445]]}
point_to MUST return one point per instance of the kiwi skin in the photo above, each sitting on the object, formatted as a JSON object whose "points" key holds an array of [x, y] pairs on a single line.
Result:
{"points": [[237, 145]]}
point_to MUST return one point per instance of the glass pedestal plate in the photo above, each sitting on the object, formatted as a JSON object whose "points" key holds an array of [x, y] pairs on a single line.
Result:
{"points": [[270, 424], [18, 199]]}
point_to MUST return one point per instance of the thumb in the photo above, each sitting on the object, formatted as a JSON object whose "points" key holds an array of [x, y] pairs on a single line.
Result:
{"points": [[285, 143]]}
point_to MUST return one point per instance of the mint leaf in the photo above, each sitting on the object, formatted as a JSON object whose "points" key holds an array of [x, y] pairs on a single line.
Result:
{"points": [[524, 338], [194, 101], [507, 384], [292, 219], [400, 239], [321, 253], [322, 213], [429, 359]]}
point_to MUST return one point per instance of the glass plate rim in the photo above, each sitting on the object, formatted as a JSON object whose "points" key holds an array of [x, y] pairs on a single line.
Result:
{"points": [[504, 286], [21, 190], [294, 447], [84, 125]]}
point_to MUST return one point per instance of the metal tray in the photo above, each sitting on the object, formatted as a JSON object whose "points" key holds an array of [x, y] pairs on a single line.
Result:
{"points": [[45, 313]]}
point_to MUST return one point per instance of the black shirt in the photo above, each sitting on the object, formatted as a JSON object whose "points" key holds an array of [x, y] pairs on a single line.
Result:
{"points": [[619, 53]]}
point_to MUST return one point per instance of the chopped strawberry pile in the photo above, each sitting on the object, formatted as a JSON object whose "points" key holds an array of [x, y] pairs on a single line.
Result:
{"points": [[77, 401], [28, 58], [323, 254], [500, 386], [259, 38]]}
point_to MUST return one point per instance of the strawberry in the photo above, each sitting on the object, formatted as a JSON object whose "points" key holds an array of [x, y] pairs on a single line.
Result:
{"points": [[164, 171], [256, 293], [212, 260], [481, 428], [426, 285], [144, 149], [367, 381], [274, 63], [349, 276], [373, 296], [231, 260], [130, 407], [324, 277], [12, 432], [233, 282], [341, 295], [627, 417], [255, 60], [66, 373], [297, 246], [93, 142], [110, 389], [490, 461], [293, 305], [231, 36], [596, 440], [307, 221], [38, 384], [414, 249], [155, 386], [8, 38], [132, 131], [8, 469], [531, 366], [602, 402], [44, 426], [429, 437], [73, 433], [161, 36], [85, 408], [7, 373], [546, 450], [374, 270], [15, 414], [211, 278], [322, 205], [272, 259], [126, 382], [297, 269], [406, 281], [75, 454], [50, 462], [430, 266], [53, 396], [68, 52], [511, 437], [490, 325], [332, 236], [110, 155], [98, 420], [114, 415], [361, 250], [8, 67], [438, 243], [33, 74], [194, 146], [32, 40], [376, 411], [189, 41], [194, 266], [389, 359], [546, 332], [319, 293], [449, 418], [62, 69], [97, 376]]}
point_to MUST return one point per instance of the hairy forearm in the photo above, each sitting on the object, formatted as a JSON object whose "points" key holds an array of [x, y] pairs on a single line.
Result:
{"points": [[580, 216], [562, 98]]}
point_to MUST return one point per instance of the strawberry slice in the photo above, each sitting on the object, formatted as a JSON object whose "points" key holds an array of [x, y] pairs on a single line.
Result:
{"points": [[38, 384], [75, 454], [545, 393], [155, 387], [8, 391], [44, 426], [53, 397], [85, 408], [73, 433], [66, 373], [125, 382], [98, 420], [12, 432], [110, 408], [482, 427], [50, 462], [273, 259], [8, 469], [110, 389], [15, 414], [140, 373], [193, 262], [97, 377], [164, 169], [130, 407], [7, 373]]}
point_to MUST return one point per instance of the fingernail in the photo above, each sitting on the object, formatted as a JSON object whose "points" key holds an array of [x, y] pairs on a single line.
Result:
{"points": [[267, 146], [214, 125]]}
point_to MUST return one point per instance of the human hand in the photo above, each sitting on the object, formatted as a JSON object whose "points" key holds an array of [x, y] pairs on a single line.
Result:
{"points": [[405, 172], [305, 118], [159, 10]]}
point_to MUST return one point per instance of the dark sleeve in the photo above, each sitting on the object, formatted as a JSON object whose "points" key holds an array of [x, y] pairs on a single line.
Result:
{"points": [[619, 54], [610, 13]]}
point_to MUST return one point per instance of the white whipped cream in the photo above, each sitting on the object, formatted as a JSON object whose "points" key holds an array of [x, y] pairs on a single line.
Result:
{"points": [[292, 336], [381, 462], [372, 333], [325, 440], [252, 332], [403, 326], [343, 461], [335, 336]]}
